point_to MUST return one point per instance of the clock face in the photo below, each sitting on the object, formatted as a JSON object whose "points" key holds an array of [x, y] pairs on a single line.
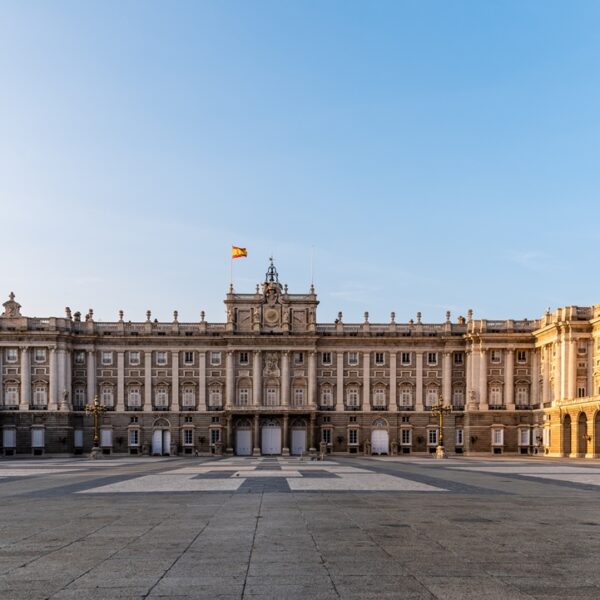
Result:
{"points": [[271, 316]]}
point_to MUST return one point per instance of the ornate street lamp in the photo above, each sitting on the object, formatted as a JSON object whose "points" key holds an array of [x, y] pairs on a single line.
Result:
{"points": [[440, 410], [95, 409]]}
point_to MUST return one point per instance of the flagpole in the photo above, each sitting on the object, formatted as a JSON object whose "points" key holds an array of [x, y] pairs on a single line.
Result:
{"points": [[231, 267]]}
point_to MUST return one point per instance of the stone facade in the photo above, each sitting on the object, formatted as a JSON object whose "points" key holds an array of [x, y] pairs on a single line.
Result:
{"points": [[273, 380]]}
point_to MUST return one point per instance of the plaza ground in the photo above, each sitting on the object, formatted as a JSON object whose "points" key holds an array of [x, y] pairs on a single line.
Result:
{"points": [[362, 528]]}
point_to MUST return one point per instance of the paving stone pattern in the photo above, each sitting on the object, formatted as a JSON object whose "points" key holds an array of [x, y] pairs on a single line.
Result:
{"points": [[282, 528]]}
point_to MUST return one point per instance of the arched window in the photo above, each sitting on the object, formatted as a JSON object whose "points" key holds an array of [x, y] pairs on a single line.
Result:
{"points": [[379, 397], [188, 396], [134, 397], [107, 397], [326, 396], [406, 396], [352, 397]]}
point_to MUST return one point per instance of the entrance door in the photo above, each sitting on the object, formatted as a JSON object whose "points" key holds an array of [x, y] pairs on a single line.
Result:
{"points": [[298, 441], [380, 442], [243, 442], [271, 440], [166, 442], [157, 442]]}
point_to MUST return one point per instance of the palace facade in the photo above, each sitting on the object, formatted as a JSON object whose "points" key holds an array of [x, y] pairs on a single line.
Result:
{"points": [[272, 380]]}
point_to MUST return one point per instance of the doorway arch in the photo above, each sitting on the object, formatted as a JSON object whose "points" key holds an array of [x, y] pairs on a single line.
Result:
{"points": [[161, 437], [582, 434]]}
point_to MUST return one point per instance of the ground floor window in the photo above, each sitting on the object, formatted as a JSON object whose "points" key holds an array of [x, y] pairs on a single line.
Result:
{"points": [[432, 437], [406, 437], [188, 437], [106, 438], [9, 437], [460, 437], [11, 395], [134, 437], [524, 437], [78, 438], [215, 436], [353, 437], [497, 437], [37, 437], [326, 436]]}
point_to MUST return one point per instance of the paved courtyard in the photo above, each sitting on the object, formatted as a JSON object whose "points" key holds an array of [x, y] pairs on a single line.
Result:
{"points": [[363, 528]]}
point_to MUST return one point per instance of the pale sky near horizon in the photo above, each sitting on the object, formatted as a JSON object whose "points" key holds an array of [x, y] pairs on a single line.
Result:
{"points": [[437, 155]]}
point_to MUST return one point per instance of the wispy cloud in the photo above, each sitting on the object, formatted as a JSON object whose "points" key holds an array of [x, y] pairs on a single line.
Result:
{"points": [[533, 260]]}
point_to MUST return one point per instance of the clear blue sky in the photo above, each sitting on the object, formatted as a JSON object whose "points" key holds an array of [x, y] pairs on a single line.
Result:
{"points": [[438, 155]]}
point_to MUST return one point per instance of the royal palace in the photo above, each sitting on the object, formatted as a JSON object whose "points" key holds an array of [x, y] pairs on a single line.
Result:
{"points": [[273, 380]]}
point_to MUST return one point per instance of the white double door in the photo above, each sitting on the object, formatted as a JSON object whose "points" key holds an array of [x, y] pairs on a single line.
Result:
{"points": [[271, 440], [380, 442], [298, 441], [243, 442], [161, 442]]}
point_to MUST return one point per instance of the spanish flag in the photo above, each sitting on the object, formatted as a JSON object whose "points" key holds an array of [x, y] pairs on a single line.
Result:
{"points": [[237, 252]]}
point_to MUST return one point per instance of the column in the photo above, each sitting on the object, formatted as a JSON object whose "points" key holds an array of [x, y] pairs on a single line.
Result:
{"points": [[286, 448], [229, 448], [572, 384], [68, 398], [285, 378], [202, 381], [419, 387], [590, 370], [534, 400], [91, 376], [468, 381], [564, 367], [120, 382], [555, 360], [447, 377], [312, 379], [483, 371], [1, 382], [256, 436], [509, 379], [53, 391], [366, 400], [257, 378], [311, 433], [25, 380], [229, 380], [148, 381], [393, 405], [339, 391], [62, 379], [545, 356], [175, 381]]}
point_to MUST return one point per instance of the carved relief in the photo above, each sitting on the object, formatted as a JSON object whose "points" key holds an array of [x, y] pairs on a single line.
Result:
{"points": [[271, 365]]}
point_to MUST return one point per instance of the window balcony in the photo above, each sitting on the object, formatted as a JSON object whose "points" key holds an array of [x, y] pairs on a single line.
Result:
{"points": [[38, 407], [497, 407]]}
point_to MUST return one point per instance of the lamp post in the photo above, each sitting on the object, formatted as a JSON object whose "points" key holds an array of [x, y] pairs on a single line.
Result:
{"points": [[95, 409], [440, 410]]}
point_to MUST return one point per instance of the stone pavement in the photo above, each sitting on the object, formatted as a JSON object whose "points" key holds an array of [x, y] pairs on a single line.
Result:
{"points": [[360, 528]]}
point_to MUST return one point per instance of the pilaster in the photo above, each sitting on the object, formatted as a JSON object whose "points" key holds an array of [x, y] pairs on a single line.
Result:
{"points": [[447, 377], [483, 372], [148, 381], [175, 381], [202, 381], [312, 379], [509, 379], [120, 381], [229, 380], [419, 386], [91, 376], [53, 389], [257, 378], [393, 405], [339, 391], [25, 379], [366, 400], [285, 378]]}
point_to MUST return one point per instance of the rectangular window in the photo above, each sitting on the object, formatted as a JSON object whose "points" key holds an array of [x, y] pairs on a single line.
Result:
{"points": [[215, 359], [106, 438], [134, 358], [11, 395], [524, 436], [161, 358], [39, 355], [521, 356], [326, 358], [271, 397], [244, 397], [326, 397], [496, 356], [134, 438], [582, 349], [406, 437], [298, 358], [107, 397], [460, 437], [134, 398], [106, 358], [215, 436], [405, 358], [80, 358], [37, 437], [189, 397], [495, 395], [379, 358], [298, 397], [9, 437], [353, 358], [11, 355], [326, 433], [497, 437], [79, 397], [581, 391], [78, 438], [379, 398], [431, 397], [40, 395], [161, 398], [353, 437], [432, 358], [432, 437], [458, 397], [215, 397], [188, 437], [406, 396], [244, 359], [352, 397], [459, 358], [188, 358]]}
